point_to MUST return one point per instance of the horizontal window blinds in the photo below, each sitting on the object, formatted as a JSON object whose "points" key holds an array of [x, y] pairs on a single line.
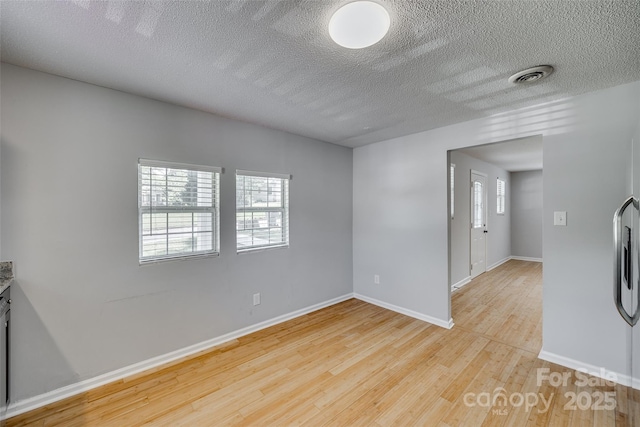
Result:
{"points": [[262, 210], [501, 196], [183, 166], [263, 174], [178, 207]]}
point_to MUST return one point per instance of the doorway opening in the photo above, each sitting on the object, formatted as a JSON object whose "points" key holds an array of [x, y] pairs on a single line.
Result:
{"points": [[495, 208]]}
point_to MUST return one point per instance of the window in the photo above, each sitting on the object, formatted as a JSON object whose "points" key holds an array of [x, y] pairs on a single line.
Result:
{"points": [[501, 197], [262, 210], [478, 205], [452, 170], [178, 209]]}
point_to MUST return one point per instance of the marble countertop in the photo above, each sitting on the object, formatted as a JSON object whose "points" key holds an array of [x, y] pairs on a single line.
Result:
{"points": [[5, 283], [6, 274]]}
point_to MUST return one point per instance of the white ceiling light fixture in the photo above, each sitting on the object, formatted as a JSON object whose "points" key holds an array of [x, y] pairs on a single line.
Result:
{"points": [[359, 24]]}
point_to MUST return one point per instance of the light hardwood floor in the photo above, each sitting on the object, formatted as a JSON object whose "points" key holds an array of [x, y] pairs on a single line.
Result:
{"points": [[355, 364]]}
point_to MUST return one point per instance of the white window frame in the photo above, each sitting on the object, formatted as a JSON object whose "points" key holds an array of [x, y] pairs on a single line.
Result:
{"points": [[452, 174], [210, 204], [501, 196], [283, 209]]}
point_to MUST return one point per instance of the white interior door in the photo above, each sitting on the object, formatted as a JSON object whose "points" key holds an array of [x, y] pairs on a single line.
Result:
{"points": [[478, 223]]}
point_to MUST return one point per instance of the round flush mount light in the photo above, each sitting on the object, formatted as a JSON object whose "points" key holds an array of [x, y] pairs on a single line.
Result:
{"points": [[359, 24], [531, 74]]}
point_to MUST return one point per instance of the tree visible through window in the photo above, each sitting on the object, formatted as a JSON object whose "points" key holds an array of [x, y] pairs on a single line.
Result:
{"points": [[178, 208], [262, 210]]}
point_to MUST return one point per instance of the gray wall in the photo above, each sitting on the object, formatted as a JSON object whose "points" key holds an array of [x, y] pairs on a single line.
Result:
{"points": [[585, 175], [401, 221], [498, 240], [526, 214], [400, 224], [82, 304]]}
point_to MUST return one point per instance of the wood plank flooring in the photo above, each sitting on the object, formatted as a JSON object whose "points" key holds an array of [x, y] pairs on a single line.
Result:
{"points": [[355, 364]]}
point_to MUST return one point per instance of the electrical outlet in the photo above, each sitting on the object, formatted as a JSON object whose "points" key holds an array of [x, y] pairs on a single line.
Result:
{"points": [[376, 279], [256, 299]]}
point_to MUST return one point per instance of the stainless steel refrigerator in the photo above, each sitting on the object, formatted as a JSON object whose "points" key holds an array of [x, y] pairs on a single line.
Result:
{"points": [[626, 284]]}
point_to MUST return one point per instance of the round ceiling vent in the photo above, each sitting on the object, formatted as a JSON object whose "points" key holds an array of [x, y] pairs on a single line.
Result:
{"points": [[531, 74]]}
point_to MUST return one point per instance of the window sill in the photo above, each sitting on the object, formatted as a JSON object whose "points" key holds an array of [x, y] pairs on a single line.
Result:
{"points": [[261, 249], [178, 258]]}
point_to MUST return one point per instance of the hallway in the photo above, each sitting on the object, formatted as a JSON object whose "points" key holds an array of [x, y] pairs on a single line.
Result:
{"points": [[505, 305]]}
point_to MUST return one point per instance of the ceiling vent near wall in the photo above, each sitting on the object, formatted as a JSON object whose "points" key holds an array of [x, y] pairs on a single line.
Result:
{"points": [[531, 74]]}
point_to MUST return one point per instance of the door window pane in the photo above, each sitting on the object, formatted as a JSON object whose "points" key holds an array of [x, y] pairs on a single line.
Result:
{"points": [[478, 205]]}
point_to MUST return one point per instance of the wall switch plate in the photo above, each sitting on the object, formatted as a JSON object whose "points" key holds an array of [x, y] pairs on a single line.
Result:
{"points": [[256, 299], [376, 279], [560, 218]]}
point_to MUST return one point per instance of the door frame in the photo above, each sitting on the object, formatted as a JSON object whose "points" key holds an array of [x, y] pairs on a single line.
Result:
{"points": [[486, 219]]}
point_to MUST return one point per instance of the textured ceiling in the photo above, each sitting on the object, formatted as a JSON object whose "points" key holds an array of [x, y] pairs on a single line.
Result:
{"points": [[272, 62]]}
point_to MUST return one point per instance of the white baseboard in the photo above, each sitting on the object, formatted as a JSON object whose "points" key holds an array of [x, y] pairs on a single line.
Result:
{"points": [[407, 312], [596, 371], [509, 258], [499, 263], [524, 258], [460, 284], [26, 405]]}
